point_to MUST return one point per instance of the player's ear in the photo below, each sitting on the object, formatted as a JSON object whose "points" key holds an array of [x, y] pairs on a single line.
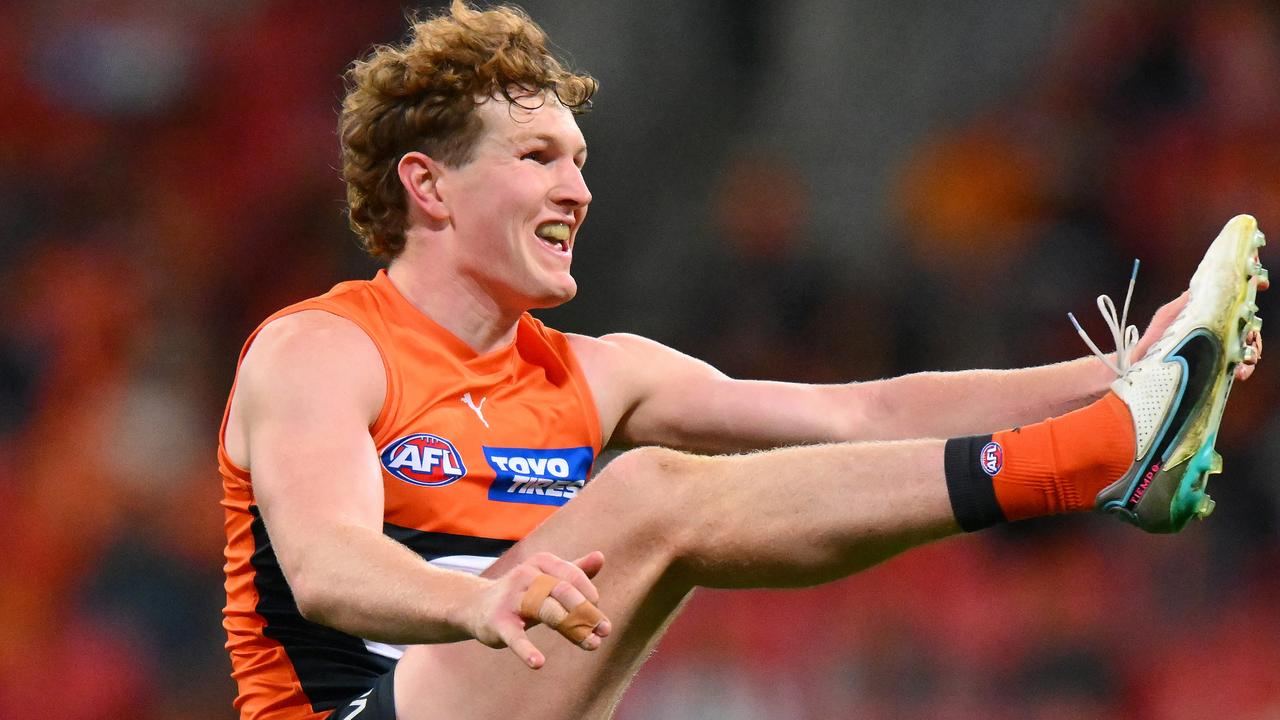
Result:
{"points": [[419, 175]]}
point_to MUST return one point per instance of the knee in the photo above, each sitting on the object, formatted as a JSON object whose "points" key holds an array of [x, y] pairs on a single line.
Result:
{"points": [[646, 472], [654, 464], [643, 491]]}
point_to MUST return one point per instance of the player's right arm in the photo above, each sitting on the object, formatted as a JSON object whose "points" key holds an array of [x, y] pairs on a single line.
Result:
{"points": [[307, 392]]}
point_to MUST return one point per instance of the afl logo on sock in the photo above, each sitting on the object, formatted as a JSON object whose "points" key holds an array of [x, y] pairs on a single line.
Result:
{"points": [[424, 459], [991, 458]]}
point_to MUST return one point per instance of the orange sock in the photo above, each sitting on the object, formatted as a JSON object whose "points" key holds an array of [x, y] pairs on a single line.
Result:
{"points": [[1051, 467]]}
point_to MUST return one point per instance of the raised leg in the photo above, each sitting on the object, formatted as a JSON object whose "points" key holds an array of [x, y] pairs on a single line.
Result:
{"points": [[668, 522]]}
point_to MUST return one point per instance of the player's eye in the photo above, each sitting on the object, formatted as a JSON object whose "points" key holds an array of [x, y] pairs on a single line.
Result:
{"points": [[535, 155]]}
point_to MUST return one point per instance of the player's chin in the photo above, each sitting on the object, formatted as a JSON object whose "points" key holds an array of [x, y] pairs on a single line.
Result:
{"points": [[557, 293]]}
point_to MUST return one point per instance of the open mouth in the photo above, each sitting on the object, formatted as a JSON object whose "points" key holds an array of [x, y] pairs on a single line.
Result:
{"points": [[555, 235]]}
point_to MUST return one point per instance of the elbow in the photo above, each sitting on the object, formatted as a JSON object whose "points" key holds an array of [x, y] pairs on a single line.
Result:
{"points": [[310, 608], [864, 414], [314, 604], [322, 577]]}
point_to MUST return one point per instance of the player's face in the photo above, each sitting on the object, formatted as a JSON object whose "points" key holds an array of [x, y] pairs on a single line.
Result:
{"points": [[516, 206]]}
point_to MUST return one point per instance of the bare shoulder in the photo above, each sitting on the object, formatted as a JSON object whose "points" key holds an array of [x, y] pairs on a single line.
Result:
{"points": [[314, 345], [311, 364], [607, 351], [626, 359], [627, 373]]}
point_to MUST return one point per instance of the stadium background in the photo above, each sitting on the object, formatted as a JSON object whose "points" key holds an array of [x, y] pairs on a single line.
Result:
{"points": [[814, 190]]}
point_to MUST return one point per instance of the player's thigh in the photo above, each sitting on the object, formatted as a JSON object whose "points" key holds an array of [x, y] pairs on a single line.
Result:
{"points": [[638, 592], [469, 680]]}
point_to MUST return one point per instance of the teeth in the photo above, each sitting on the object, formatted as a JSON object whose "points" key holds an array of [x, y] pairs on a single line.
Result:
{"points": [[558, 232]]}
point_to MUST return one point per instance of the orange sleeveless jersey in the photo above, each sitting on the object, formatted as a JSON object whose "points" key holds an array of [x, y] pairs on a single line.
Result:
{"points": [[476, 451]]}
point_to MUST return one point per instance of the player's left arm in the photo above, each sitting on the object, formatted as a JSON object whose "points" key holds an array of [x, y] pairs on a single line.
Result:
{"points": [[648, 393]]}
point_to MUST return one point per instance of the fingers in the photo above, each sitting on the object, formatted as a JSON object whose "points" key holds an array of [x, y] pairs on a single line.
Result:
{"points": [[566, 597], [591, 563], [562, 607], [1167, 312], [570, 572], [535, 594], [1161, 320], [557, 593], [575, 617], [1246, 367], [585, 625], [1173, 307], [516, 639]]}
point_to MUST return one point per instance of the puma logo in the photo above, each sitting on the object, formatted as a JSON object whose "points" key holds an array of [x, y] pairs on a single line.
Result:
{"points": [[466, 399]]}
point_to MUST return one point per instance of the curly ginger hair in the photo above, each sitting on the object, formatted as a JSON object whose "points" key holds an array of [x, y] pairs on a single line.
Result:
{"points": [[421, 95]]}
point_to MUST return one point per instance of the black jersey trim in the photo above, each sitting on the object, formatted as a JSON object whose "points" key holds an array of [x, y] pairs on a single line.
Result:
{"points": [[333, 666], [432, 545]]}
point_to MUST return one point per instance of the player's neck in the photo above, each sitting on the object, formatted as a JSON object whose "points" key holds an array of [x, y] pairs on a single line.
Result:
{"points": [[456, 303]]}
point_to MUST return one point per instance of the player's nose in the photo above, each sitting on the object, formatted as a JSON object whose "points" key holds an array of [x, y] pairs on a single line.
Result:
{"points": [[571, 188]]}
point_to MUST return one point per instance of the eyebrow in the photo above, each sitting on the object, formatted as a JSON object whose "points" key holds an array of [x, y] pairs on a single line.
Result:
{"points": [[548, 139]]}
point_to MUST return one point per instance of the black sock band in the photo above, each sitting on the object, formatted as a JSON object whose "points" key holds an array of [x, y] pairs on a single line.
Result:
{"points": [[973, 496]]}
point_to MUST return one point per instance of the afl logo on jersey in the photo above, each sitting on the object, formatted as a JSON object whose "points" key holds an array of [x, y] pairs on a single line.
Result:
{"points": [[424, 459]]}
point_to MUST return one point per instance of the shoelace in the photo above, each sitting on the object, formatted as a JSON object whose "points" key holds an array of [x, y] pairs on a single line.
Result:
{"points": [[1125, 337]]}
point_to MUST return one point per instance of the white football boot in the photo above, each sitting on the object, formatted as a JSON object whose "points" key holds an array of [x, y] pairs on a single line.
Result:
{"points": [[1177, 391]]}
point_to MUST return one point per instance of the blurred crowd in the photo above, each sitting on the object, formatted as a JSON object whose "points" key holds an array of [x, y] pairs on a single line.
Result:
{"points": [[167, 180]]}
